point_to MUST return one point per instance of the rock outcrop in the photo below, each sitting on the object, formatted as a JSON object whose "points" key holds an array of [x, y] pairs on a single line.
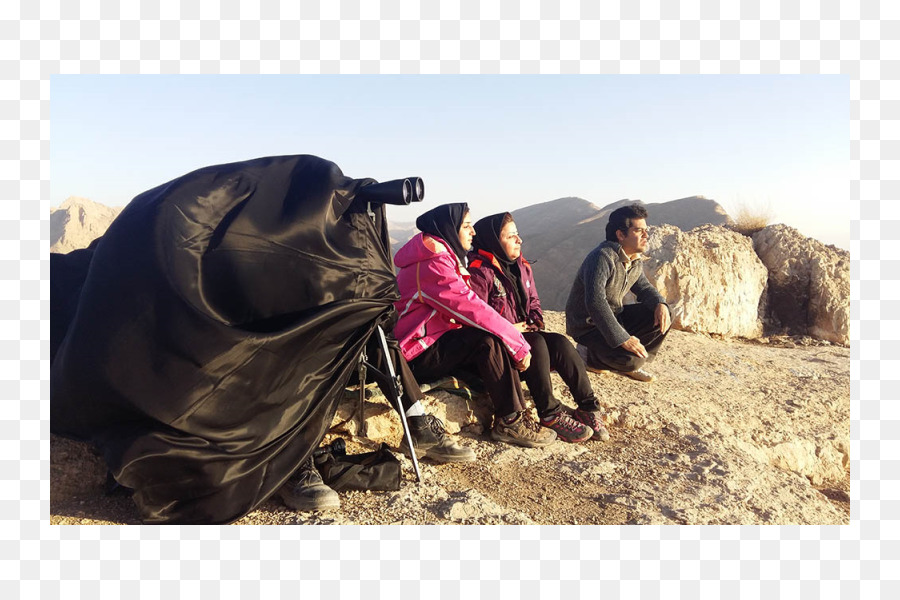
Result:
{"points": [[77, 222], [809, 284], [710, 276], [457, 411]]}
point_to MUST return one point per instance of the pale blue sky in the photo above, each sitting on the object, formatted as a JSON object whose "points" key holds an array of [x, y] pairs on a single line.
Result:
{"points": [[497, 142]]}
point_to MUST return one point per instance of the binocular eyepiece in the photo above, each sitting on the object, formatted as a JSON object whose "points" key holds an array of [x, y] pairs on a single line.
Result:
{"points": [[398, 191]]}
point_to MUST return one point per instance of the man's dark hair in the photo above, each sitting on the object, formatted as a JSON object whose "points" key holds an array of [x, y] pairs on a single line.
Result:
{"points": [[622, 218]]}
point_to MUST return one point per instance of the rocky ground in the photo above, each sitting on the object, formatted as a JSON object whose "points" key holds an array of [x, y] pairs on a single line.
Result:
{"points": [[732, 432]]}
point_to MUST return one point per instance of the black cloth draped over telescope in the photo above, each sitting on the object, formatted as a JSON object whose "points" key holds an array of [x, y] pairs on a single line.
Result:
{"points": [[219, 319]]}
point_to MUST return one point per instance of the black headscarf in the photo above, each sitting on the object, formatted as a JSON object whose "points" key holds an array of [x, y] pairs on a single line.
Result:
{"points": [[444, 222], [487, 238]]}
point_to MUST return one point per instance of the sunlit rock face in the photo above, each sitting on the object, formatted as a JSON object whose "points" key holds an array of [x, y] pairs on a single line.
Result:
{"points": [[809, 284], [711, 278]]}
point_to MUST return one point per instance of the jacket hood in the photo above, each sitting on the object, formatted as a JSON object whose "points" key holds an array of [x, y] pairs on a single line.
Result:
{"points": [[419, 248]]}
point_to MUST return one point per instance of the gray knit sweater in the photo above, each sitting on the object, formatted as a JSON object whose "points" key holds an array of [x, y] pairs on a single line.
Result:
{"points": [[598, 290]]}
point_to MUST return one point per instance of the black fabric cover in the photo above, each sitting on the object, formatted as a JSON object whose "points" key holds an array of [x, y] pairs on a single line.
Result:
{"points": [[67, 274], [218, 323]]}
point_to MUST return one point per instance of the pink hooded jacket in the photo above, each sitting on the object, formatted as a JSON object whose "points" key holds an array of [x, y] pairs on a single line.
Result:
{"points": [[435, 298]]}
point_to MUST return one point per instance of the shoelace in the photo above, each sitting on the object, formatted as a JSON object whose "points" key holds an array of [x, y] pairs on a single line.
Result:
{"points": [[529, 424], [586, 416], [568, 423], [435, 424], [307, 473]]}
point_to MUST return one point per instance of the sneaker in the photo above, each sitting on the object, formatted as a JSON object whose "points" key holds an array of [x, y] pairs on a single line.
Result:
{"points": [[582, 351], [430, 440], [522, 432], [567, 429], [638, 374], [305, 490], [593, 420]]}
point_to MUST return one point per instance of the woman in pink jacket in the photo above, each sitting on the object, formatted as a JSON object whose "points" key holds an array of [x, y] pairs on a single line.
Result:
{"points": [[504, 279], [444, 326]]}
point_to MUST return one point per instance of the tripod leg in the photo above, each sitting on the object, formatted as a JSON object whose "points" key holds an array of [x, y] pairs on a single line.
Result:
{"points": [[362, 428], [399, 392]]}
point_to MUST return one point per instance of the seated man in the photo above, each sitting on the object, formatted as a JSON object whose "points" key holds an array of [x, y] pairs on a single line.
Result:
{"points": [[611, 336]]}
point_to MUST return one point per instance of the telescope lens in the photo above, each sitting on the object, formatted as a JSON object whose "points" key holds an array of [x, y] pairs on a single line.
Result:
{"points": [[407, 191], [420, 189]]}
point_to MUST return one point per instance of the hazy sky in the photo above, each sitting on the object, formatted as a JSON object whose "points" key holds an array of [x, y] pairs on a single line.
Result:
{"points": [[777, 143]]}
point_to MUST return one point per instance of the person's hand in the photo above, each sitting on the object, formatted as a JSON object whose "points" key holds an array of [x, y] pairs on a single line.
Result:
{"points": [[635, 346], [537, 324], [523, 327], [662, 318], [523, 364]]}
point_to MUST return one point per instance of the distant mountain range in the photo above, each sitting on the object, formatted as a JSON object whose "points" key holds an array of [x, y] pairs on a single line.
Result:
{"points": [[77, 222], [559, 234]]}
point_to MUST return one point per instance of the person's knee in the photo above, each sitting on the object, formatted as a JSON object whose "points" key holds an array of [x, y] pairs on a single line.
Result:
{"points": [[560, 349], [491, 345], [561, 344], [538, 345]]}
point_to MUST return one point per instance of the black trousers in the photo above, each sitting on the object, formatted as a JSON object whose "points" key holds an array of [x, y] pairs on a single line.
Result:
{"points": [[553, 351], [478, 351], [637, 320]]}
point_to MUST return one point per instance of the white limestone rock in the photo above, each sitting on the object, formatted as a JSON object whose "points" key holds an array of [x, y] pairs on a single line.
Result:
{"points": [[809, 284], [710, 276]]}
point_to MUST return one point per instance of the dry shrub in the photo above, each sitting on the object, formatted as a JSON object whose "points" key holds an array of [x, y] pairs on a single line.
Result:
{"points": [[750, 219]]}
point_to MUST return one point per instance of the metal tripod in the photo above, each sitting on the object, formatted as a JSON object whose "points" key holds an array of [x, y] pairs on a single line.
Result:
{"points": [[396, 391]]}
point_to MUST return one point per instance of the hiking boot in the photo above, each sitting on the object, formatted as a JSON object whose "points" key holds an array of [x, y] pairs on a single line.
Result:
{"points": [[430, 440], [582, 351], [638, 374], [523, 431], [593, 420], [305, 490], [567, 429]]}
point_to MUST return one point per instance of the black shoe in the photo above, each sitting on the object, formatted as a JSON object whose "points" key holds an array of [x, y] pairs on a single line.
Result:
{"points": [[305, 490], [430, 440]]}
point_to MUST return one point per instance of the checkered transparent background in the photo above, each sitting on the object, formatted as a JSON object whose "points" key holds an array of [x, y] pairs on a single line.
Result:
{"points": [[40, 39]]}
